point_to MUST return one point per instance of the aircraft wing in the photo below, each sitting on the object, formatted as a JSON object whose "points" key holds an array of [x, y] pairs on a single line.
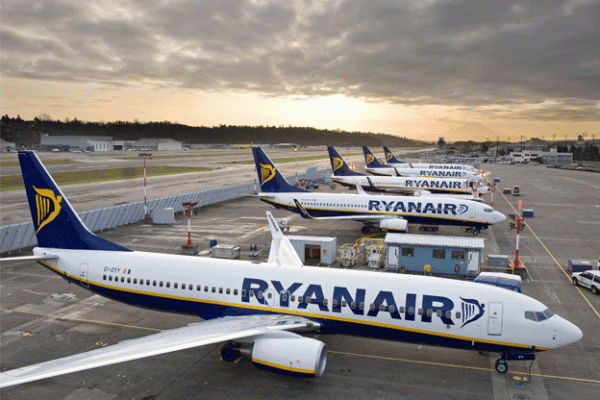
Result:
{"points": [[193, 335], [29, 258]]}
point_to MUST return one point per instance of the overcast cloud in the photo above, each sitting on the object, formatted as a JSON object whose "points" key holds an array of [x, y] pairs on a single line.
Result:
{"points": [[511, 59]]}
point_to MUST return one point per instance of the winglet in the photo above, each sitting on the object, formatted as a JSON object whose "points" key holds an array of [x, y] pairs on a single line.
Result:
{"points": [[303, 211], [359, 188], [282, 252]]}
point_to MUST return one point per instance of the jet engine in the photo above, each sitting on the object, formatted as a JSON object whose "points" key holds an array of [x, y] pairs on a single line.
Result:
{"points": [[298, 356], [393, 224]]}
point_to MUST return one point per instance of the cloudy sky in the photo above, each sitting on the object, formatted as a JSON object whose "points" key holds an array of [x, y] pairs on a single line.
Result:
{"points": [[473, 69]]}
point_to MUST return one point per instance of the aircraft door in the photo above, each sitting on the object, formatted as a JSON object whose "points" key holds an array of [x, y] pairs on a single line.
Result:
{"points": [[495, 319], [472, 210], [83, 274]]}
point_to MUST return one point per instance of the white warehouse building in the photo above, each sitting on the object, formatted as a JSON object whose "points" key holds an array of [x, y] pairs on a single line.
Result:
{"points": [[83, 143]]}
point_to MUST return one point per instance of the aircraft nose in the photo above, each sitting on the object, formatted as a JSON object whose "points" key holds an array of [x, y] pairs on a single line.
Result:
{"points": [[572, 333], [499, 217]]}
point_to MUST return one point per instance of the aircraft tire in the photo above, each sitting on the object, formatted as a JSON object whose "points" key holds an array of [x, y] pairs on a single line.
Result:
{"points": [[475, 232], [501, 366]]}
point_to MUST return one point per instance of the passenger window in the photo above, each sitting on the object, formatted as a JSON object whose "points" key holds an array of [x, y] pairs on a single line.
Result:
{"points": [[168, 284], [160, 283], [243, 292], [122, 279], [299, 299], [439, 313], [382, 308], [235, 292], [190, 287], [221, 290], [128, 280], [175, 285], [153, 283], [458, 314], [269, 295], [308, 300], [392, 308], [344, 303], [293, 298], [206, 289], [251, 293], [183, 286], [448, 314], [429, 312], [135, 280], [401, 310], [228, 291], [198, 288], [104, 277], [148, 282], [411, 311], [284, 297], [334, 302], [361, 305], [110, 278], [420, 311], [371, 307], [353, 305], [213, 289]]}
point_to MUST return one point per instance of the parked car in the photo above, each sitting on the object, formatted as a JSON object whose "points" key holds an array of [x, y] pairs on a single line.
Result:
{"points": [[589, 279]]}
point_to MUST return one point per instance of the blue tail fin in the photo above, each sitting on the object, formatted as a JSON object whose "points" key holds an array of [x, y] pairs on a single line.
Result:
{"points": [[390, 158], [370, 159], [269, 177], [55, 222], [338, 165]]}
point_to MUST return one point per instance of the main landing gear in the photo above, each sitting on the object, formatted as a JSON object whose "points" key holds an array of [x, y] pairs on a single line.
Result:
{"points": [[474, 231], [501, 364]]}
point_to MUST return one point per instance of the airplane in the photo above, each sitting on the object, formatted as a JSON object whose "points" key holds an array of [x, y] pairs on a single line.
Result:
{"points": [[259, 309], [373, 166], [345, 176], [392, 213], [392, 161]]}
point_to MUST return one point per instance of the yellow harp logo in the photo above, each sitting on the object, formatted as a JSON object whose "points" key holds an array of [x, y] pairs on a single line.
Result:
{"points": [[370, 158], [267, 173], [47, 206], [388, 156], [337, 163]]}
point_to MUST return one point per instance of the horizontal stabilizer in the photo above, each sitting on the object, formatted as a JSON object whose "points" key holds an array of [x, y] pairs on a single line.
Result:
{"points": [[29, 258]]}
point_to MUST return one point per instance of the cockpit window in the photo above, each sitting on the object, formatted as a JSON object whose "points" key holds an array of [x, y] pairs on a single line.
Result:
{"points": [[539, 316], [487, 209]]}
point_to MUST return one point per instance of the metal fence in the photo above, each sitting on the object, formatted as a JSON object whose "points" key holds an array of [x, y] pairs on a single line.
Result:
{"points": [[22, 235]]}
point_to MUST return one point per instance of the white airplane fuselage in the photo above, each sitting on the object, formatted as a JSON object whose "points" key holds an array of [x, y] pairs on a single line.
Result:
{"points": [[393, 306], [424, 172], [365, 207], [403, 184]]}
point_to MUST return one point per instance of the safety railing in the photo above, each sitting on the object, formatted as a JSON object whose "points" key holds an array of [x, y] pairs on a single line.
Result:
{"points": [[22, 235]]}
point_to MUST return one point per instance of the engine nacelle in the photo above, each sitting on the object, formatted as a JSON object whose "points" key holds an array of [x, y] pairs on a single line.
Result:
{"points": [[298, 356], [394, 224]]}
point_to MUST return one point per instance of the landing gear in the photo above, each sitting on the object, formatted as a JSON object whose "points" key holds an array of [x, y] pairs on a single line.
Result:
{"points": [[230, 352], [474, 231], [501, 365], [365, 229]]}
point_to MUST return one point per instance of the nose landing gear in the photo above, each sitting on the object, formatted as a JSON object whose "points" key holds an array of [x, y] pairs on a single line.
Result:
{"points": [[501, 364]]}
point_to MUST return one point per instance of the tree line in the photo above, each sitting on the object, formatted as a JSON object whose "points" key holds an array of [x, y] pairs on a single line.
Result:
{"points": [[27, 133]]}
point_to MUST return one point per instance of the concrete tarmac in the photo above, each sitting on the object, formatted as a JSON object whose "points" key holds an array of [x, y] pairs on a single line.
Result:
{"points": [[43, 317]]}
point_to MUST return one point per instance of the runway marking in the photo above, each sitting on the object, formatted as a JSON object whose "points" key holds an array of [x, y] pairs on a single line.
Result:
{"points": [[80, 320], [583, 183], [461, 366], [552, 256]]}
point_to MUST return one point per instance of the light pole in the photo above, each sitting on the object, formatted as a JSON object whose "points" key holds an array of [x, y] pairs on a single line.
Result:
{"points": [[296, 160], [144, 156]]}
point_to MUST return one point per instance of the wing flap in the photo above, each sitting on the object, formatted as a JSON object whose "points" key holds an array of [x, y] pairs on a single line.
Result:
{"points": [[193, 335]]}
